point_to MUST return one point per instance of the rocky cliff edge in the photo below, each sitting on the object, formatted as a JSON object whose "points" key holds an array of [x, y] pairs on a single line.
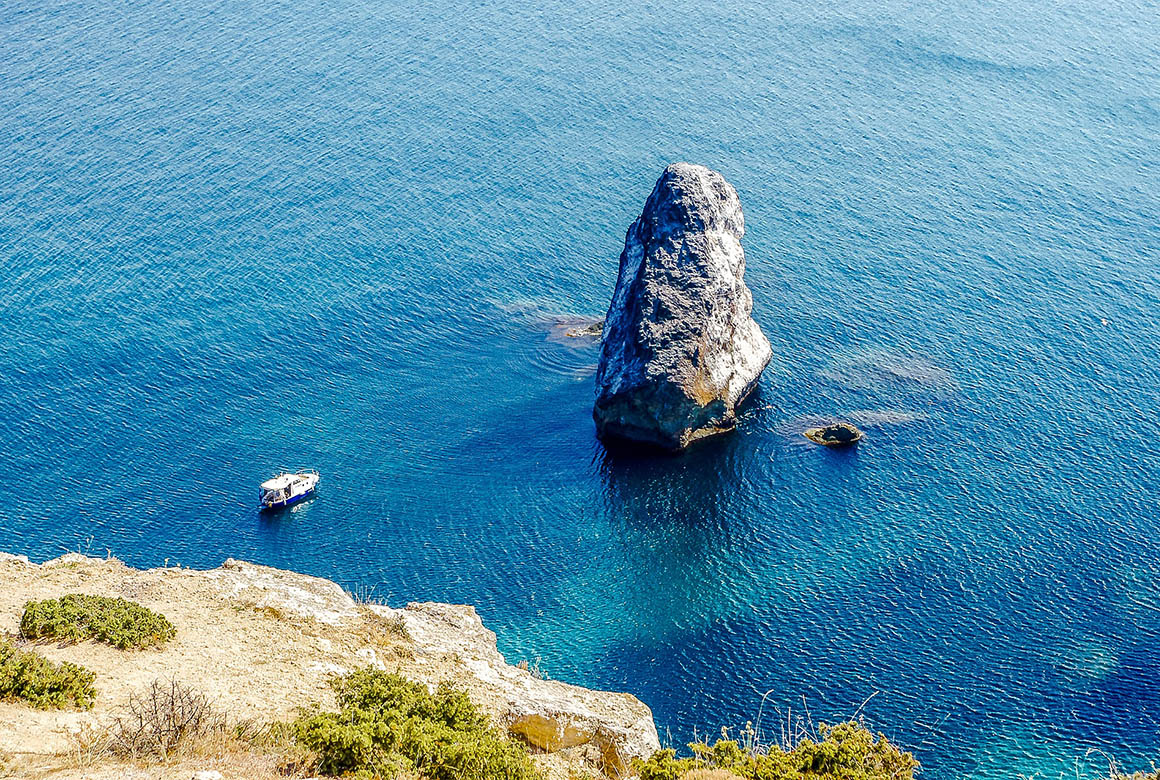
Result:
{"points": [[263, 642]]}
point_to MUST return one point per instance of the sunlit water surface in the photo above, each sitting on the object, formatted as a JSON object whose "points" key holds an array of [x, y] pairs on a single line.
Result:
{"points": [[236, 236]]}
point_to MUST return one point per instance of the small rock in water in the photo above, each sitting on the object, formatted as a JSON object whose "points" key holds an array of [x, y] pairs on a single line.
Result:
{"points": [[837, 435], [592, 330]]}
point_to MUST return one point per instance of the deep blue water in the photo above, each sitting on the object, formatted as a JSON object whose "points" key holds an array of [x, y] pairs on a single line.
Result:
{"points": [[242, 235]]}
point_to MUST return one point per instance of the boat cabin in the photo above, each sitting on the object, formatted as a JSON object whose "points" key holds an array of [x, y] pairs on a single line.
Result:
{"points": [[287, 488]]}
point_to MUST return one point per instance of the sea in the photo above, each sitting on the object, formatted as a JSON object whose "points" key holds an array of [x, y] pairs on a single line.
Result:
{"points": [[241, 236]]}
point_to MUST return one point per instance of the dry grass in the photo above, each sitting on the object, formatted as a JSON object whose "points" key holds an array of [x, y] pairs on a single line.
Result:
{"points": [[533, 669], [243, 755], [393, 627], [388, 635], [169, 726], [266, 610], [270, 747], [709, 774]]}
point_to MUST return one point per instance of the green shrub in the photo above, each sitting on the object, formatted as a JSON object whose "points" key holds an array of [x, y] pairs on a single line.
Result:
{"points": [[33, 678], [75, 618], [847, 751], [388, 725], [664, 765]]}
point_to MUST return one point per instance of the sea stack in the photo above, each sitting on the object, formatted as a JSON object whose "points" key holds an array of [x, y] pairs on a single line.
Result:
{"points": [[680, 348]]}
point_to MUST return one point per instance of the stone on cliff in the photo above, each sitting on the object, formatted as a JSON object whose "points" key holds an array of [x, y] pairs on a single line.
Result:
{"points": [[680, 348]]}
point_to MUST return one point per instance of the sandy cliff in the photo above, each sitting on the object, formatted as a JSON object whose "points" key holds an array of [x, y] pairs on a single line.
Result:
{"points": [[262, 642]]}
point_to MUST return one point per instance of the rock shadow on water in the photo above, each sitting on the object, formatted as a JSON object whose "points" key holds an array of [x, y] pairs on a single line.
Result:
{"points": [[680, 526], [702, 501], [643, 484]]}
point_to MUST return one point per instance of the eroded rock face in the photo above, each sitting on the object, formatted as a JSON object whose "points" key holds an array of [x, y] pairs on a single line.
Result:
{"points": [[680, 349], [547, 714]]}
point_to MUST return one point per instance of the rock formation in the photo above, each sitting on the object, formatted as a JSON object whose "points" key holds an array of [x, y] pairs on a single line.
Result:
{"points": [[840, 434], [592, 329], [680, 350]]}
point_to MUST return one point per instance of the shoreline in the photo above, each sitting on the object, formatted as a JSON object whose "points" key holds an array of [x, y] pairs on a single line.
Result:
{"points": [[264, 642]]}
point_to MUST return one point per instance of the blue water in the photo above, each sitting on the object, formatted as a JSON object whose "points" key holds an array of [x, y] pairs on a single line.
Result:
{"points": [[236, 236]]}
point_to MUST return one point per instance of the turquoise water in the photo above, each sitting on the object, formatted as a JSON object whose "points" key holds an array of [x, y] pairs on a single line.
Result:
{"points": [[237, 236]]}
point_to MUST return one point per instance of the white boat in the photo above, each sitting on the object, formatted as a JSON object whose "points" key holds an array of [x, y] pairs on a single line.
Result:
{"points": [[287, 488]]}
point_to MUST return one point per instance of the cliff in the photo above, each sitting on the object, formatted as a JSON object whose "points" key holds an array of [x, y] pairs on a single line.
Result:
{"points": [[262, 642]]}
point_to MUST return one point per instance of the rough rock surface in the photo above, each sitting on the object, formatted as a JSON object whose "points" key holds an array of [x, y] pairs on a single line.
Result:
{"points": [[591, 330], [841, 434], [680, 349], [548, 715], [262, 642]]}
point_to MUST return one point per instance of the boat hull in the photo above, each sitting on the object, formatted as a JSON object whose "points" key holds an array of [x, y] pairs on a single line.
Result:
{"points": [[285, 502]]}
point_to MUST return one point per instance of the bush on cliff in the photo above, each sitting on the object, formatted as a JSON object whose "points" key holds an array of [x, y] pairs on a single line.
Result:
{"points": [[161, 719], [33, 678], [76, 618], [847, 751], [389, 726]]}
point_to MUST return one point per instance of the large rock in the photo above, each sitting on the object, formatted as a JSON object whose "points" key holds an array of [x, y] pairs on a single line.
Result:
{"points": [[680, 350], [841, 434]]}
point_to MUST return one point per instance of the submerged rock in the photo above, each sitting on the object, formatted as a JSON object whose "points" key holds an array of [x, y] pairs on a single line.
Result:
{"points": [[591, 330], [837, 435], [680, 350]]}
